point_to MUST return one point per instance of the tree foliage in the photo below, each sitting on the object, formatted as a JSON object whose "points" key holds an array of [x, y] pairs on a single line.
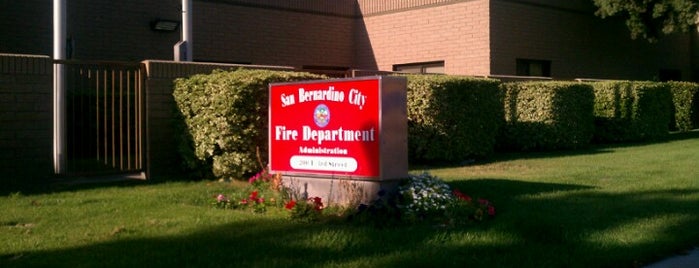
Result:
{"points": [[650, 19]]}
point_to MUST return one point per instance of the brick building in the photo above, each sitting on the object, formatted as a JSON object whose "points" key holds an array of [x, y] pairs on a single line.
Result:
{"points": [[550, 38], [560, 39]]}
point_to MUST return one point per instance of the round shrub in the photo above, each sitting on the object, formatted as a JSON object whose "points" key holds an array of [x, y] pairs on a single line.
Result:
{"points": [[224, 119]]}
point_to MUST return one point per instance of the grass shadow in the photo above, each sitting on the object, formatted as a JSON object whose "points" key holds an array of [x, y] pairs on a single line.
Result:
{"points": [[538, 225], [587, 226], [593, 149], [64, 184], [512, 188]]}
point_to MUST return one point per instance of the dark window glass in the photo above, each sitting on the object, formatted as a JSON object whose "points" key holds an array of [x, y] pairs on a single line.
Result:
{"points": [[434, 67], [670, 75], [528, 67]]}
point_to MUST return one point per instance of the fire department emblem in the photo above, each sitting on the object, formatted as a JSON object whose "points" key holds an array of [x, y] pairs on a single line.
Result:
{"points": [[321, 115]]}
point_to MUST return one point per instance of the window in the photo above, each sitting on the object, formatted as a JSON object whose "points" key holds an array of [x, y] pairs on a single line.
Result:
{"points": [[324, 67], [527, 67], [665, 75], [332, 71], [434, 67]]}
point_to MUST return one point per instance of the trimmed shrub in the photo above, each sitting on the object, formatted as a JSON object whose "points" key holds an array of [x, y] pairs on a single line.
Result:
{"points": [[224, 119], [547, 115], [685, 97], [631, 111], [452, 118]]}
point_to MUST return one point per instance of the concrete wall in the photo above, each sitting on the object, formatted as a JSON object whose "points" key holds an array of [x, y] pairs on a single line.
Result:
{"points": [[26, 119]]}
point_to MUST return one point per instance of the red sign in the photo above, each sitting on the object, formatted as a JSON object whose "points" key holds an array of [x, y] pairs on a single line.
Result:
{"points": [[328, 127]]}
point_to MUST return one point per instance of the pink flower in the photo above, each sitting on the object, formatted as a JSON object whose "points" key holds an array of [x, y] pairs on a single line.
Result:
{"points": [[221, 198], [244, 201], [254, 178], [262, 175]]}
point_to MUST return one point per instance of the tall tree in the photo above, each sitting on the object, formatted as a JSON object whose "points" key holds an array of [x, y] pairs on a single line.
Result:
{"points": [[650, 19]]}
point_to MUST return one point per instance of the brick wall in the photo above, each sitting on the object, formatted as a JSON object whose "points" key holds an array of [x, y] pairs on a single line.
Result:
{"points": [[473, 37], [26, 121], [25, 118], [120, 30], [26, 27], [455, 32], [577, 43], [372, 7], [272, 35], [309, 32], [694, 55]]}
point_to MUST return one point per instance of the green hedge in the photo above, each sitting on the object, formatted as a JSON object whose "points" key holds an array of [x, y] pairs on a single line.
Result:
{"points": [[224, 116], [685, 97], [631, 111], [452, 118], [547, 115]]}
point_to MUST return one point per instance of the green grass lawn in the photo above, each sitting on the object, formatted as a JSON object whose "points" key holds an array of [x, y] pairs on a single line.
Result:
{"points": [[611, 206]]}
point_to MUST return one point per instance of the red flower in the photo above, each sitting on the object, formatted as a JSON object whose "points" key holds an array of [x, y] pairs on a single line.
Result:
{"points": [[461, 195], [290, 205], [317, 203], [491, 211], [244, 201], [254, 197], [483, 202]]}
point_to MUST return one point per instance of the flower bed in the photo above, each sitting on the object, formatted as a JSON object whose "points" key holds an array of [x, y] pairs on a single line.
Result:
{"points": [[420, 198]]}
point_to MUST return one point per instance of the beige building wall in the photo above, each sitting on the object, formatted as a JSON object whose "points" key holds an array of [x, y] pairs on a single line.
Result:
{"points": [[455, 32]]}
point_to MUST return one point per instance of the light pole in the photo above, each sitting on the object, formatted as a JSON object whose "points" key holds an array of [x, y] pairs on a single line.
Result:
{"points": [[59, 99], [183, 48]]}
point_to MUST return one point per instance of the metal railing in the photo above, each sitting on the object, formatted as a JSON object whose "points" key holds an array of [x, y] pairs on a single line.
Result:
{"points": [[105, 117]]}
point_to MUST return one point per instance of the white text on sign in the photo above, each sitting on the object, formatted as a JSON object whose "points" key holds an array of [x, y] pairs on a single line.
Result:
{"points": [[309, 134]]}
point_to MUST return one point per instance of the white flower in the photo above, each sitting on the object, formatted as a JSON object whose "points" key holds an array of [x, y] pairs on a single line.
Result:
{"points": [[425, 193]]}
